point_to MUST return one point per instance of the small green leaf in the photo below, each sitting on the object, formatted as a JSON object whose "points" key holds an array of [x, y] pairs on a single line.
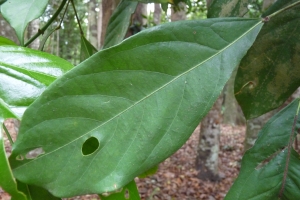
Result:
{"points": [[118, 23], [5, 41], [128, 192], [263, 166], [87, 49], [133, 98], [228, 8], [24, 75], [7, 181], [269, 73], [19, 13]]}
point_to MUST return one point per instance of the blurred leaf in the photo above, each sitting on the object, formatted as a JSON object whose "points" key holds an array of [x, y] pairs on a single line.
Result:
{"points": [[128, 192], [130, 103], [277, 5], [154, 1], [7, 181], [87, 49], [263, 166], [24, 75], [269, 73], [19, 13], [149, 172], [118, 23], [35, 193], [228, 8], [6, 41]]}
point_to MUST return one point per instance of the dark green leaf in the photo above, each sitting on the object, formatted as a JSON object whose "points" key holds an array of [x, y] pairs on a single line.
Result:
{"points": [[5, 41], [128, 192], [2, 1], [263, 166], [119, 23], [19, 13], [7, 181], [87, 49], [133, 98], [24, 75], [279, 4], [35, 193], [269, 73], [228, 8]]}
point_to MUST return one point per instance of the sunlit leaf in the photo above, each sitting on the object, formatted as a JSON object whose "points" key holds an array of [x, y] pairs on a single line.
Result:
{"points": [[6, 41], [130, 103], [128, 192], [119, 23], [87, 49], [263, 166], [7, 181], [19, 13], [269, 73], [24, 75], [228, 8]]}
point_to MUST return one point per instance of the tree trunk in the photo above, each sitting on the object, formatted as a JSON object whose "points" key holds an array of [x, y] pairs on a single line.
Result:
{"points": [[92, 23], [7, 31], [33, 28], [108, 6], [157, 14], [178, 14], [232, 114], [138, 21], [208, 149]]}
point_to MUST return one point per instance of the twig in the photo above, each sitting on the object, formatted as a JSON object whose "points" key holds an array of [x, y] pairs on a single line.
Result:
{"points": [[77, 18], [267, 18], [289, 153], [44, 28]]}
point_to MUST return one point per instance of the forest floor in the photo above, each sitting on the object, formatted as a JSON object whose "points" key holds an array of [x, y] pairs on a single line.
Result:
{"points": [[176, 178]]}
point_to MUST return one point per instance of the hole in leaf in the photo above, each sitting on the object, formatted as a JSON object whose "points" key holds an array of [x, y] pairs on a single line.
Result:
{"points": [[126, 194], [35, 153], [19, 157], [90, 146]]}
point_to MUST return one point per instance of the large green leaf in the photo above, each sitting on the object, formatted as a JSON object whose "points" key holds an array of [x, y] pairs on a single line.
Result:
{"points": [[263, 166], [129, 107], [118, 23], [19, 13], [269, 73], [7, 181], [24, 75], [228, 8]]}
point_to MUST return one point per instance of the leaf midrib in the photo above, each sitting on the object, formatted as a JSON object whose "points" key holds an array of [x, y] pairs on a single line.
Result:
{"points": [[150, 94]]}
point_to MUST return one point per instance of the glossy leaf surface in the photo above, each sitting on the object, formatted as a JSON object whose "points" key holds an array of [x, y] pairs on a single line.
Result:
{"points": [[130, 102], [5, 41], [129, 192], [7, 181], [262, 170], [228, 8], [24, 75], [119, 23], [269, 73], [87, 49], [19, 13]]}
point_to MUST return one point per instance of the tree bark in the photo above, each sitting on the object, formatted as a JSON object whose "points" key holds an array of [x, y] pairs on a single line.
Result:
{"points": [[33, 28], [108, 6], [7, 31], [179, 14], [207, 160], [92, 23], [157, 14]]}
